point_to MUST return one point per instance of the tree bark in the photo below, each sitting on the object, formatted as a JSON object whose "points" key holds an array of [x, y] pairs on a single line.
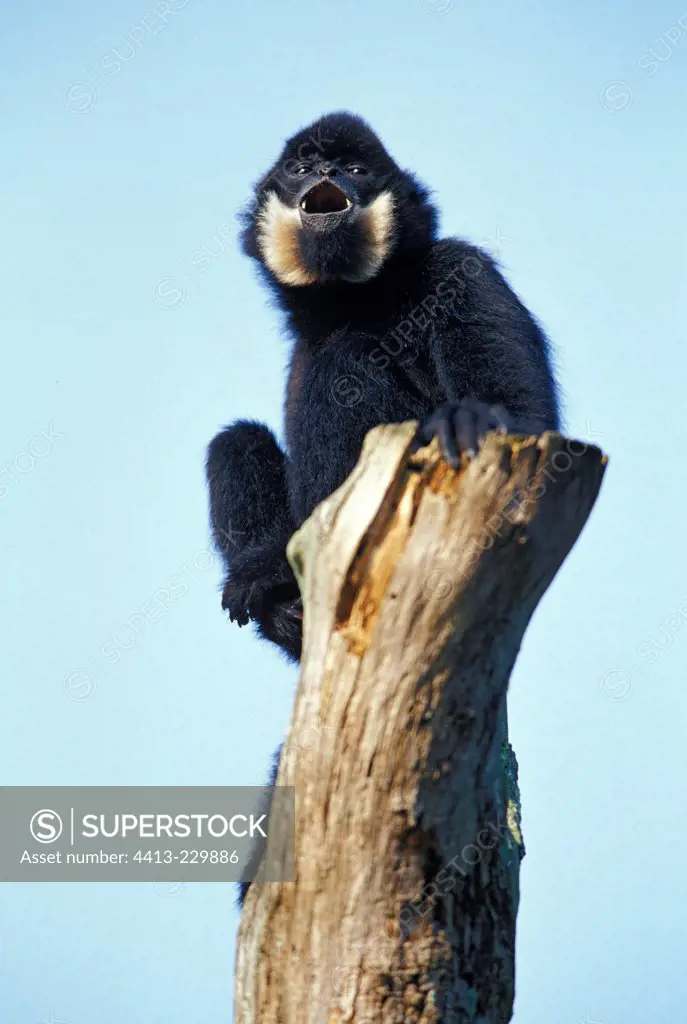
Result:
{"points": [[418, 583]]}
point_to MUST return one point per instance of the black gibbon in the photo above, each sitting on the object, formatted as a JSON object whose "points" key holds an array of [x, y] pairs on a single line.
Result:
{"points": [[388, 323]]}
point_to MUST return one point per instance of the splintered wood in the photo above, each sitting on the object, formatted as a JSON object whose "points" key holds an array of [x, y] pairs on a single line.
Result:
{"points": [[418, 583]]}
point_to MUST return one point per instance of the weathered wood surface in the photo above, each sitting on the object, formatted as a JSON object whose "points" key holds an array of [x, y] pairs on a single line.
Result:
{"points": [[418, 584]]}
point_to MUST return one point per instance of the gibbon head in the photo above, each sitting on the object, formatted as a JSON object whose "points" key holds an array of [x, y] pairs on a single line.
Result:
{"points": [[335, 207]]}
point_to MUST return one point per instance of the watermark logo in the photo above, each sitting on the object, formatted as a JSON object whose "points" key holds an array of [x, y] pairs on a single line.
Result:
{"points": [[46, 826], [79, 685], [616, 684], [169, 292], [347, 391], [616, 97], [438, 585], [169, 888], [437, 6], [162, 835], [80, 97]]}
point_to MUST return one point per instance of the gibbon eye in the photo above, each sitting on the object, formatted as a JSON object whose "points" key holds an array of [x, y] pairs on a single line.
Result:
{"points": [[356, 169]]}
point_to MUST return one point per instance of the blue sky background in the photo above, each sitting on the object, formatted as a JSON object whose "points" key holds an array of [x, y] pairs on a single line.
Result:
{"points": [[550, 131]]}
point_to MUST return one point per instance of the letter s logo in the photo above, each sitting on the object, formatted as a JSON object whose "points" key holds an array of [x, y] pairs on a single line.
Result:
{"points": [[46, 826]]}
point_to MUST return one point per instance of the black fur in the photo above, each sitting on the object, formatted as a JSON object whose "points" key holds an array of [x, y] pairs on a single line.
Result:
{"points": [[436, 326], [436, 334], [259, 847]]}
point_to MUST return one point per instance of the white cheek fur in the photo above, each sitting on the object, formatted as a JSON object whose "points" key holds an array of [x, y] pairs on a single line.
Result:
{"points": [[279, 228]]}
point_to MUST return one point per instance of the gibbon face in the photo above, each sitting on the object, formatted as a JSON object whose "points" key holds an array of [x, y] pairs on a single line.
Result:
{"points": [[332, 207]]}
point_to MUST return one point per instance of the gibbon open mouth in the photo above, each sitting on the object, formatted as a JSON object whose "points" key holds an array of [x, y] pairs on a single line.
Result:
{"points": [[325, 197]]}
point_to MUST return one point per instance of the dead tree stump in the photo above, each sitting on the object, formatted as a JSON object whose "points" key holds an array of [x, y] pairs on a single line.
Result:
{"points": [[418, 583]]}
